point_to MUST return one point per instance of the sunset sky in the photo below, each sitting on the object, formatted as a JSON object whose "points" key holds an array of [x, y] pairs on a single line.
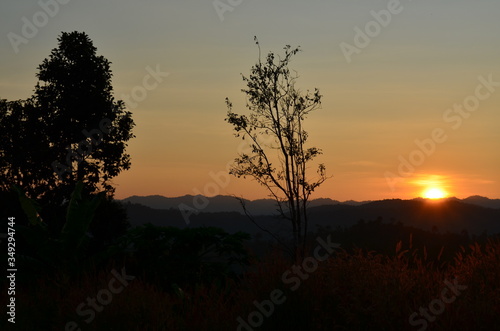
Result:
{"points": [[427, 71]]}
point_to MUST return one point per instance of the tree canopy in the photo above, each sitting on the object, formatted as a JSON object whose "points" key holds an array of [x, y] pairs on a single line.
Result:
{"points": [[72, 129]]}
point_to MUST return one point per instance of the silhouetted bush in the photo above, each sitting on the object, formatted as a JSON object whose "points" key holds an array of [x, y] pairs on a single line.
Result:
{"points": [[168, 255]]}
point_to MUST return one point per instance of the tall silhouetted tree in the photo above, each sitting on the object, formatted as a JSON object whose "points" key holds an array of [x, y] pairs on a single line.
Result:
{"points": [[71, 129], [278, 158]]}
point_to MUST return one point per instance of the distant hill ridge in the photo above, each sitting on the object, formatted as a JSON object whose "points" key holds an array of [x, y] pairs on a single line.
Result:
{"points": [[224, 203], [453, 215]]}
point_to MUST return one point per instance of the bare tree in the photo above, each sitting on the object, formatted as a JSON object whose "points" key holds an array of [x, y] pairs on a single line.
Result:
{"points": [[277, 157]]}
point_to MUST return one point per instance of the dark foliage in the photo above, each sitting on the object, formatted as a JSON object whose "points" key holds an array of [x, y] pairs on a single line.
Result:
{"points": [[186, 257]]}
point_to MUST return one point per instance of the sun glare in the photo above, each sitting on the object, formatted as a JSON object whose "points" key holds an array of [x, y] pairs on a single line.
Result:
{"points": [[434, 193], [432, 186]]}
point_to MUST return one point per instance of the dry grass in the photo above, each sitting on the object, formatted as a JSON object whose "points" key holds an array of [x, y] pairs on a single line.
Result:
{"points": [[349, 291]]}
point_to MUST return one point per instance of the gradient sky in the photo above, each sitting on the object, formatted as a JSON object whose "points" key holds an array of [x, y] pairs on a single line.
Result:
{"points": [[395, 90]]}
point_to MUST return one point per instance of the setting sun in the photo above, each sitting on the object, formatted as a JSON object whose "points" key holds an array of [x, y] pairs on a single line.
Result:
{"points": [[434, 193], [433, 186]]}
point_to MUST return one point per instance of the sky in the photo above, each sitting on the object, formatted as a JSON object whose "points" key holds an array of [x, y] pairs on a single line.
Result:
{"points": [[411, 89]]}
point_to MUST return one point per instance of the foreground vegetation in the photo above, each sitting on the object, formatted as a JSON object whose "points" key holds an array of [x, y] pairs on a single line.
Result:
{"points": [[165, 278], [355, 290]]}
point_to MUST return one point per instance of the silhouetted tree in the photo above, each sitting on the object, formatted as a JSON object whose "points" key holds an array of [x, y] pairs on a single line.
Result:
{"points": [[71, 129], [277, 157]]}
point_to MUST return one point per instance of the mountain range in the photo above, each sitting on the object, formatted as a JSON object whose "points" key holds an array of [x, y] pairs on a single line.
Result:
{"points": [[224, 203], [475, 214]]}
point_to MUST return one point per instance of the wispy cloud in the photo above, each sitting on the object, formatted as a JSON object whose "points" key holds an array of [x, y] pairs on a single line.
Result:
{"points": [[364, 163]]}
